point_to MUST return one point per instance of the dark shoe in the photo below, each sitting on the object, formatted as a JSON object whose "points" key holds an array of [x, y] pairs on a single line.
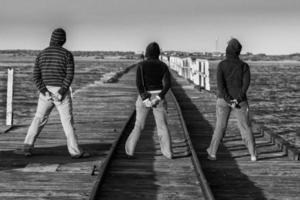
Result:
{"points": [[130, 156], [82, 155], [26, 150]]}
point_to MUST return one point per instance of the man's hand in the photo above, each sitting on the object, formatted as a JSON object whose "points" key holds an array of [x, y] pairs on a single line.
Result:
{"points": [[56, 97], [234, 103], [147, 103], [48, 96], [155, 101]]}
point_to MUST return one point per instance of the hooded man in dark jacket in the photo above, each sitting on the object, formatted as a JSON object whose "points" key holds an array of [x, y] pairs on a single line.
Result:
{"points": [[53, 74], [153, 82], [233, 79]]}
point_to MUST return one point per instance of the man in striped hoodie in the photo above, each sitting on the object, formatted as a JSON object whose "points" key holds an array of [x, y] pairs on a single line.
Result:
{"points": [[53, 74]]}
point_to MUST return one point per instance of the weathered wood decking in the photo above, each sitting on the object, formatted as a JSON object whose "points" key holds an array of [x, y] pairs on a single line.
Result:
{"points": [[100, 111], [233, 175], [150, 175]]}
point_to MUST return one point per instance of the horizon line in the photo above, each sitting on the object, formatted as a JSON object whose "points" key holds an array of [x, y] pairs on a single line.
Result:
{"points": [[135, 51]]}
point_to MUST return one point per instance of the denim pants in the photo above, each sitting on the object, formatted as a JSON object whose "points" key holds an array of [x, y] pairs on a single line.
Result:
{"points": [[160, 115], [40, 119], [242, 114]]}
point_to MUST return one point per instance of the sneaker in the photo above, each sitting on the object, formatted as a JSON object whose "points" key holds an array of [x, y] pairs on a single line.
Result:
{"points": [[253, 158], [26, 150], [187, 153], [82, 155], [169, 156], [210, 157], [127, 153]]}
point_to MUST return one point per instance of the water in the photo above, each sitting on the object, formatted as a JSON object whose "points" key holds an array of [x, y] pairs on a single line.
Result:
{"points": [[274, 96], [25, 93], [274, 93]]}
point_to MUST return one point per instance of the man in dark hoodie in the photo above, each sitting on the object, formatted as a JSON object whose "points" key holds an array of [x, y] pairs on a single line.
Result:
{"points": [[233, 79], [153, 82], [53, 74]]}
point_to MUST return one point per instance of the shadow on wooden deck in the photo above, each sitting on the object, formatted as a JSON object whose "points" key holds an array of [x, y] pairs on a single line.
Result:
{"points": [[223, 185], [133, 178], [52, 155]]}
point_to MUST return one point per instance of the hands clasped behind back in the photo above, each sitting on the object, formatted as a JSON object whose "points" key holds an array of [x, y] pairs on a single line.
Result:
{"points": [[53, 95], [152, 102], [56, 97], [234, 104]]}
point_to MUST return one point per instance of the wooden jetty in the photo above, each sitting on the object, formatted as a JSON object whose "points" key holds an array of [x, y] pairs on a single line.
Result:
{"points": [[101, 111], [233, 175], [150, 175], [104, 116]]}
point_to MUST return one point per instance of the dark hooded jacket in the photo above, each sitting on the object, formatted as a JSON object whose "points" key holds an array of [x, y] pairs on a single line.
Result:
{"points": [[233, 75], [54, 66], [152, 74]]}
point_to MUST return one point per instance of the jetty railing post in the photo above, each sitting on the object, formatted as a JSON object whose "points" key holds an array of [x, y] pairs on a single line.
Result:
{"points": [[206, 72], [196, 71], [9, 99], [185, 69], [201, 74], [197, 74]]}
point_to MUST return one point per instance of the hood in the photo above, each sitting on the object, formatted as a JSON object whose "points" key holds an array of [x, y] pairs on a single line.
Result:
{"points": [[152, 51], [58, 37], [234, 48]]}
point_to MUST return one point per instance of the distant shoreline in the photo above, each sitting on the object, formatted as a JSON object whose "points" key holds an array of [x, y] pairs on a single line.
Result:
{"points": [[133, 55], [29, 61]]}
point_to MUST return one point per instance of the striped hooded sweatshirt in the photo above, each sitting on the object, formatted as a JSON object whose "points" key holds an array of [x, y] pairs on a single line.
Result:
{"points": [[54, 66]]}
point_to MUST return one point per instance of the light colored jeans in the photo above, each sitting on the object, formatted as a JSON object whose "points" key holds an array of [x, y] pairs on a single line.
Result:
{"points": [[44, 109], [160, 115], [242, 114]]}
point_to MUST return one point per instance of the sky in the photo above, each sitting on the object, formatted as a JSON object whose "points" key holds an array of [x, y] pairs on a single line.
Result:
{"points": [[269, 26]]}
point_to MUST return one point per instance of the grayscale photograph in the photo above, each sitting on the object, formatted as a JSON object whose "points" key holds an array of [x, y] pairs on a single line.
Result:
{"points": [[149, 100]]}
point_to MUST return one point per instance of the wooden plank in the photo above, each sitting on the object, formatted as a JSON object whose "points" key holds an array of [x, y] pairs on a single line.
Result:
{"points": [[104, 166], [233, 175], [200, 175], [150, 175]]}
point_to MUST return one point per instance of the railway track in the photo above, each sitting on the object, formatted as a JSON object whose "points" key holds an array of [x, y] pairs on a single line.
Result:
{"points": [[233, 176], [150, 175]]}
